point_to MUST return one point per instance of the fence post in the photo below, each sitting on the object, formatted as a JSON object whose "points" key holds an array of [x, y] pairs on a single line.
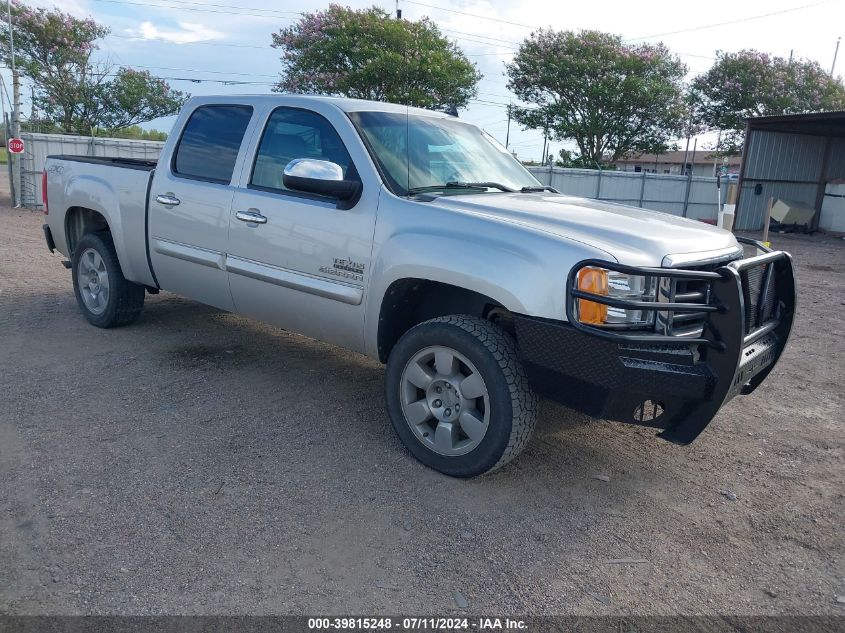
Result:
{"points": [[642, 191], [9, 161], [687, 192], [598, 185]]}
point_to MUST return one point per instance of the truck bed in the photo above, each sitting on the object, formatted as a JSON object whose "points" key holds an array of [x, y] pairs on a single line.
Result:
{"points": [[128, 163], [116, 189]]}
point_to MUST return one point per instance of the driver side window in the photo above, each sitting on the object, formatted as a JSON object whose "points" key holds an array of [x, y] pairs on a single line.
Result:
{"points": [[293, 133]]}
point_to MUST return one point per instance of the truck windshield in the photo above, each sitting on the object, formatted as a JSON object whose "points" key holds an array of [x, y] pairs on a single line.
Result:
{"points": [[417, 153]]}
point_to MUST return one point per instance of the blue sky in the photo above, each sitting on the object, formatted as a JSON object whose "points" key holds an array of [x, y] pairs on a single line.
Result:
{"points": [[217, 41]]}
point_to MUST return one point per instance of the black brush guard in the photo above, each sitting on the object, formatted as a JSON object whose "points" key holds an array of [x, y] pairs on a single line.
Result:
{"points": [[676, 384]]}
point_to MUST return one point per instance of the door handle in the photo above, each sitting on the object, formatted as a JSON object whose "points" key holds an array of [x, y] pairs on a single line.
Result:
{"points": [[167, 199], [253, 216]]}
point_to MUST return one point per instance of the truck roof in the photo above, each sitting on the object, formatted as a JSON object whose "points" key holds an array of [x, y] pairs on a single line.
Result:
{"points": [[342, 103]]}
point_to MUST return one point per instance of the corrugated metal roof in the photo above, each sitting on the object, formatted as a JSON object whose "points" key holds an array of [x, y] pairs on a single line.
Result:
{"points": [[815, 123]]}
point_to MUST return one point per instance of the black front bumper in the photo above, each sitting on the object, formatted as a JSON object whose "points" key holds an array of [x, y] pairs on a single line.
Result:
{"points": [[665, 382]]}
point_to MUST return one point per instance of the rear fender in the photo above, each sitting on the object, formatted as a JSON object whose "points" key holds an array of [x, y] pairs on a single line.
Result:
{"points": [[96, 193]]}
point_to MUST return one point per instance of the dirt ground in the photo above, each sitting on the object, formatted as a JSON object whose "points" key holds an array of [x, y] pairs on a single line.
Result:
{"points": [[202, 463]]}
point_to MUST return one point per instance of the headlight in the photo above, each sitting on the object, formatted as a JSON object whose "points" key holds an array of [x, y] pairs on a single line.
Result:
{"points": [[601, 281]]}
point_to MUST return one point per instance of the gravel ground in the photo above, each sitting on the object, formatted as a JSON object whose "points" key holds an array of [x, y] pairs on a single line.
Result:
{"points": [[202, 463]]}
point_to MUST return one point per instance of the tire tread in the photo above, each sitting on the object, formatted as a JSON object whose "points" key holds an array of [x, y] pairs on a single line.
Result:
{"points": [[502, 348], [128, 296]]}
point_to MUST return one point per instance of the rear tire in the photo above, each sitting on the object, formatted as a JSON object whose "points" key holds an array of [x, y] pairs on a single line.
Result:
{"points": [[104, 295], [458, 397]]}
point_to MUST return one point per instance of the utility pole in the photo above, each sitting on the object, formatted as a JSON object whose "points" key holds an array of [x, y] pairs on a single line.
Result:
{"points": [[14, 159], [835, 53], [3, 97], [398, 11], [686, 149], [718, 149], [545, 139], [508, 133]]}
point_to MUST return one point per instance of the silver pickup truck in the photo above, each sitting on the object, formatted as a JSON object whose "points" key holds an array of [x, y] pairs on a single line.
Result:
{"points": [[416, 239]]}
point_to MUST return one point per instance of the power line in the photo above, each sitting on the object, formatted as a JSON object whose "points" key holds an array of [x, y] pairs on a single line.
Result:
{"points": [[199, 70], [240, 82], [269, 13], [469, 37], [492, 94], [140, 38], [737, 21], [488, 54], [137, 38], [229, 6], [472, 15], [495, 40], [475, 38]]}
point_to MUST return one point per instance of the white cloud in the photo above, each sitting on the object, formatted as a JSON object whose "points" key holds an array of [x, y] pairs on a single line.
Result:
{"points": [[187, 33]]}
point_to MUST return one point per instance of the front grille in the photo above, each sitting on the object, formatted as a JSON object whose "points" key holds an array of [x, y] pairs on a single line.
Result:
{"points": [[684, 291], [759, 300], [760, 303], [683, 324]]}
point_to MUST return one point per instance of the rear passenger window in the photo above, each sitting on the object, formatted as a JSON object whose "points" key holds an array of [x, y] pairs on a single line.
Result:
{"points": [[292, 133], [210, 142]]}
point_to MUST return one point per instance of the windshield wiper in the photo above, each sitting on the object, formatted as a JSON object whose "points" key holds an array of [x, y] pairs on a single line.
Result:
{"points": [[538, 189], [486, 185], [455, 184]]}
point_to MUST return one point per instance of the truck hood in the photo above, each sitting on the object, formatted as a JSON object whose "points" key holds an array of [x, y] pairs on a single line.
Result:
{"points": [[632, 235]]}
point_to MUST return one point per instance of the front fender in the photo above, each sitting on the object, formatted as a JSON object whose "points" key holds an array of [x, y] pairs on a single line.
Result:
{"points": [[508, 273]]}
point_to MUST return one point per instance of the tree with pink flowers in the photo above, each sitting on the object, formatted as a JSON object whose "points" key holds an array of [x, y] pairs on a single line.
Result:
{"points": [[367, 54], [609, 97], [750, 83], [55, 51]]}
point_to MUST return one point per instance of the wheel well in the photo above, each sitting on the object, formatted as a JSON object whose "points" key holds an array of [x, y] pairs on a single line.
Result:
{"points": [[409, 302], [79, 221]]}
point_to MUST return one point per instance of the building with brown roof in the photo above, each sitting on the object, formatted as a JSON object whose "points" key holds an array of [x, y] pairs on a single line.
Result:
{"points": [[702, 163]]}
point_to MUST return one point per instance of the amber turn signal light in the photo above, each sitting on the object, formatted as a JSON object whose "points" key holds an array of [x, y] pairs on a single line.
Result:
{"points": [[592, 280]]}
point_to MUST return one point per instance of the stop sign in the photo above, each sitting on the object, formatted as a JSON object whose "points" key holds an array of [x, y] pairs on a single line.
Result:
{"points": [[16, 145]]}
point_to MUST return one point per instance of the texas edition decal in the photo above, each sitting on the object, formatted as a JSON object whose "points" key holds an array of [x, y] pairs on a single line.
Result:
{"points": [[346, 268]]}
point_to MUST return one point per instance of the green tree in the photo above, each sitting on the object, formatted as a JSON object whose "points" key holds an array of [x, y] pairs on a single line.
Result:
{"points": [[613, 99], [367, 54], [137, 132], [54, 50], [749, 83]]}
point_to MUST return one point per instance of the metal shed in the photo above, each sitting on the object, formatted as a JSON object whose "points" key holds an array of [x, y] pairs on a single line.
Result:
{"points": [[792, 157]]}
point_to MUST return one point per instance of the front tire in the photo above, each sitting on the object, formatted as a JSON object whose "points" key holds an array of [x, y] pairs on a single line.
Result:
{"points": [[104, 295], [458, 397]]}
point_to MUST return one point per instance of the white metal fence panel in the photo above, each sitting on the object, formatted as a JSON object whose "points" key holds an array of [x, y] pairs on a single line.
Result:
{"points": [[39, 146], [658, 192]]}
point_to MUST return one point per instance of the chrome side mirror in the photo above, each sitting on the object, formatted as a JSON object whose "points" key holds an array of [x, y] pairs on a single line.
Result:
{"points": [[321, 177], [314, 169]]}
